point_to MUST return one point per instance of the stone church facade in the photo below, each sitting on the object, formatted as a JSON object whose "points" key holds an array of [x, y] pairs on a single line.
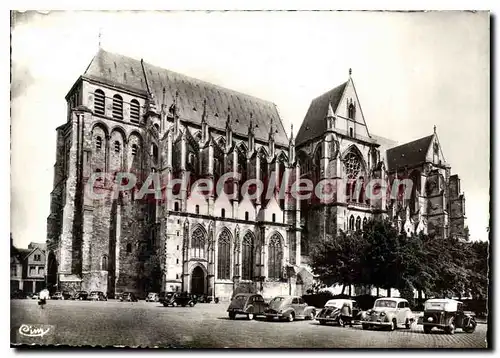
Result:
{"points": [[127, 116]]}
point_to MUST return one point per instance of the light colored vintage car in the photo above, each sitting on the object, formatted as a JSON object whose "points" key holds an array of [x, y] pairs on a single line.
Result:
{"points": [[388, 312], [331, 311], [289, 308]]}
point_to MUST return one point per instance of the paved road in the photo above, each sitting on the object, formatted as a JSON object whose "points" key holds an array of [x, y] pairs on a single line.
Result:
{"points": [[206, 326]]}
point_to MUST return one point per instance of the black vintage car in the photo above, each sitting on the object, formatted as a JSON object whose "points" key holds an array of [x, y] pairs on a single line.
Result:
{"points": [[248, 304], [128, 297], [18, 294], [98, 296], [167, 298], [447, 315]]}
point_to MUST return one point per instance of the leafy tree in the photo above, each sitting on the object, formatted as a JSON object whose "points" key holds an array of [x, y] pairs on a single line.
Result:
{"points": [[337, 260]]}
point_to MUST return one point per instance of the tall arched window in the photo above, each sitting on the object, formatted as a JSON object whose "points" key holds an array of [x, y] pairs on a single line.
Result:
{"points": [[352, 168], [134, 110], [351, 111], [99, 102], [129, 248], [104, 263], [154, 152], [247, 247], [358, 224], [117, 107], [275, 257], [198, 243], [351, 223], [364, 222], [317, 164], [224, 256]]}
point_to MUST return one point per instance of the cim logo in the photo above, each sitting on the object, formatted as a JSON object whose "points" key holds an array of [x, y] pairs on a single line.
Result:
{"points": [[34, 330]]}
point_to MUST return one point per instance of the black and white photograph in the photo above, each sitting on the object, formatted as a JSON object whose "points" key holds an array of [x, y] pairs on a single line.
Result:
{"points": [[250, 179]]}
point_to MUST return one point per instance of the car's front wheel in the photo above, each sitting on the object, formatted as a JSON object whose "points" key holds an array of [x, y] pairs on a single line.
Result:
{"points": [[408, 324], [311, 315], [451, 326], [174, 304], [365, 326], [393, 325], [191, 304], [250, 316], [291, 317], [340, 321], [427, 329]]}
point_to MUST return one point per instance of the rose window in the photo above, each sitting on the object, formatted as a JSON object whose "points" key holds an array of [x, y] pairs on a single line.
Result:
{"points": [[352, 165]]}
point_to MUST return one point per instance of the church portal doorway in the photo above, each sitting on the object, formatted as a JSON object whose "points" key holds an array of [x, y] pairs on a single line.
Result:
{"points": [[198, 281]]}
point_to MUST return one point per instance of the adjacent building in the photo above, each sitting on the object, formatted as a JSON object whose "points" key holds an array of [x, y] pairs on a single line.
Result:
{"points": [[27, 268]]}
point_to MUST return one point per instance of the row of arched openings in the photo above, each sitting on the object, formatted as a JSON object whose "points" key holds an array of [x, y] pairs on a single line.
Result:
{"points": [[248, 254], [355, 224], [117, 106]]}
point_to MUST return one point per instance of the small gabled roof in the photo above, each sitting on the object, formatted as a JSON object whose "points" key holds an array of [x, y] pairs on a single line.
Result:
{"points": [[409, 154], [314, 124]]}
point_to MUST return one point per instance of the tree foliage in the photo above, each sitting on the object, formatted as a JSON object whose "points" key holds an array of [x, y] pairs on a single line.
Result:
{"points": [[381, 256]]}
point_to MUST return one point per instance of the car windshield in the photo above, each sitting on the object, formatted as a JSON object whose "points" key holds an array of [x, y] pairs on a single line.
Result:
{"points": [[386, 303]]}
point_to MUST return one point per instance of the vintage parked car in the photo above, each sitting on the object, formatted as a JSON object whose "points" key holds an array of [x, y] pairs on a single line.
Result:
{"points": [[97, 296], [184, 299], [331, 311], [128, 297], [388, 312], [81, 295], [18, 294], [152, 297], [448, 315], [248, 304], [61, 295], [289, 308], [168, 298]]}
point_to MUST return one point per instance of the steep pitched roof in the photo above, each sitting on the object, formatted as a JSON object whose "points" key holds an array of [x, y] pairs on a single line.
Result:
{"points": [[314, 121], [118, 70], [408, 154]]}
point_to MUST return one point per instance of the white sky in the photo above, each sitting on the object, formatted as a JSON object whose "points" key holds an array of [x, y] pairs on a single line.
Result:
{"points": [[411, 71]]}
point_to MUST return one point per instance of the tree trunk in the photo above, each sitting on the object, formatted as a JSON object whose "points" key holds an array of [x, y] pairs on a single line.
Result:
{"points": [[350, 290], [388, 292], [378, 292], [343, 289], [419, 294]]}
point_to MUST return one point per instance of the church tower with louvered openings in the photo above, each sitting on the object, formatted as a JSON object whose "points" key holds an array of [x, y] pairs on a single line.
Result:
{"points": [[165, 137]]}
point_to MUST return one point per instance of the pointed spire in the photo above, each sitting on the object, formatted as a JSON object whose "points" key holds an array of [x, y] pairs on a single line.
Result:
{"points": [[163, 100], [350, 72], [204, 114], [228, 121], [100, 37], [330, 113], [271, 129], [250, 127], [291, 133], [434, 129]]}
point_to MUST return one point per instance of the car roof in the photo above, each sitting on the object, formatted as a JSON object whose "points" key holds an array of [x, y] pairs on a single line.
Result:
{"points": [[397, 299]]}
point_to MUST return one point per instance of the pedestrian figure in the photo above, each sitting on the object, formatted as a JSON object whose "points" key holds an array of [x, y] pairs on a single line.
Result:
{"points": [[44, 296], [346, 314]]}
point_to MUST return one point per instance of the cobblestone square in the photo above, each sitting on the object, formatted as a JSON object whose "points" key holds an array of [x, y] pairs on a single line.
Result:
{"points": [[114, 323]]}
